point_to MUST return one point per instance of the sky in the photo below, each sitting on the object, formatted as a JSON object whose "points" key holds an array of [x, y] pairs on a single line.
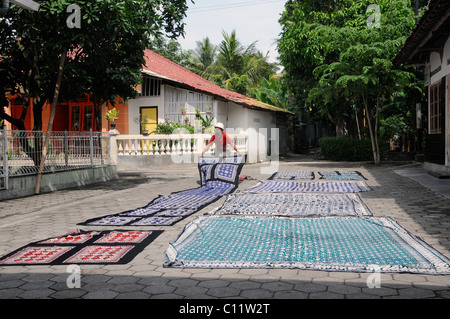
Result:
{"points": [[253, 20]]}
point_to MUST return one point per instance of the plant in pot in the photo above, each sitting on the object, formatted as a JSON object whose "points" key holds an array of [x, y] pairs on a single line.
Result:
{"points": [[142, 121], [111, 116], [183, 111]]}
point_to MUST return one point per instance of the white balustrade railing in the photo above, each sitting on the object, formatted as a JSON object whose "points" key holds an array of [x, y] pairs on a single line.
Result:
{"points": [[173, 144]]}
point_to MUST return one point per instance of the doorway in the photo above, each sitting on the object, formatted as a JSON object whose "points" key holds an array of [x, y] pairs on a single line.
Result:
{"points": [[81, 118], [151, 114]]}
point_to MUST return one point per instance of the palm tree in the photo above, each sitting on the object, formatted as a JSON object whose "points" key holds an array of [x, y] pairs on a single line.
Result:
{"points": [[273, 91], [203, 58], [241, 67]]}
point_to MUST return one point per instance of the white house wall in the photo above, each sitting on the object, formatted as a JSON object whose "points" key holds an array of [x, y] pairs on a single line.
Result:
{"points": [[134, 106], [440, 67], [257, 124]]}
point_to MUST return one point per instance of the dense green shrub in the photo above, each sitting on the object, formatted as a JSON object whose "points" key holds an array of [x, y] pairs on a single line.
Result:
{"points": [[346, 149]]}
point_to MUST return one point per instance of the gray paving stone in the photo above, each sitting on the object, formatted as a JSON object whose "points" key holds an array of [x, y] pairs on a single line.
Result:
{"points": [[223, 292], [190, 292], [214, 283], [310, 287], [122, 288], [416, 293], [277, 286], [101, 294], [68, 294], [133, 295], [257, 294], [42, 293], [420, 210], [158, 289]]}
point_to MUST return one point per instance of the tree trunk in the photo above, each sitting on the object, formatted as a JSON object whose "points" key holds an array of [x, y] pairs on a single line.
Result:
{"points": [[373, 138], [50, 122]]}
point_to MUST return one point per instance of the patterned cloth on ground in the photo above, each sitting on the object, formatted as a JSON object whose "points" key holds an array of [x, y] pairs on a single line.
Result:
{"points": [[220, 169], [218, 179], [342, 175], [292, 175], [83, 247], [308, 186], [292, 204], [329, 243]]}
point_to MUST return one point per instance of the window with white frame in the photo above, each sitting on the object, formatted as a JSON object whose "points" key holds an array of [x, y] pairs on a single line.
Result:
{"points": [[435, 109]]}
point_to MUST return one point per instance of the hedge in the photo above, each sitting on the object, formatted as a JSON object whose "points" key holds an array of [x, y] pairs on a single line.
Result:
{"points": [[346, 149]]}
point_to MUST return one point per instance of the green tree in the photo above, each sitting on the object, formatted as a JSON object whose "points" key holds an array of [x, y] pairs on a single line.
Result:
{"points": [[171, 49], [274, 91], [346, 59], [104, 56], [241, 67], [365, 71], [203, 58]]}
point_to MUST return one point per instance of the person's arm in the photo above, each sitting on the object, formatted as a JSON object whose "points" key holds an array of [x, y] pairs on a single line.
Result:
{"points": [[206, 148], [236, 149], [229, 141], [209, 145]]}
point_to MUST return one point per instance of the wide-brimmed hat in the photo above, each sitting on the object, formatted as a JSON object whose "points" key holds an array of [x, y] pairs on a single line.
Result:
{"points": [[220, 125]]}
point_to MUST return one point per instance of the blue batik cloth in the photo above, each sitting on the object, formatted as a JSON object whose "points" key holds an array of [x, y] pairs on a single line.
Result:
{"points": [[309, 186], [292, 175]]}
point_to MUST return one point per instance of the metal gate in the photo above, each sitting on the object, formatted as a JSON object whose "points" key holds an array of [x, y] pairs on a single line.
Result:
{"points": [[3, 159]]}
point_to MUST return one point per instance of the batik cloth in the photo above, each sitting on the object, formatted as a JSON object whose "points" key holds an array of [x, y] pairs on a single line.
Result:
{"points": [[292, 204], [309, 186], [83, 247], [342, 175], [329, 243], [292, 175], [225, 170]]}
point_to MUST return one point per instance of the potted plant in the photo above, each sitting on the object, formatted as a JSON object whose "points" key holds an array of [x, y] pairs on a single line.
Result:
{"points": [[111, 116], [142, 121], [183, 111]]}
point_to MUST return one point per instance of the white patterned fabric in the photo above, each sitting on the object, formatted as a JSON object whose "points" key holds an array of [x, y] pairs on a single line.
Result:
{"points": [[293, 204], [292, 175]]}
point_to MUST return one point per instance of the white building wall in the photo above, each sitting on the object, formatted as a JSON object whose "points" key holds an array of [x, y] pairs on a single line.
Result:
{"points": [[134, 106], [439, 64], [237, 119]]}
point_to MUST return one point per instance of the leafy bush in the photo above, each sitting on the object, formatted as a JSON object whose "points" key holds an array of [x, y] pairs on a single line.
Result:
{"points": [[173, 127], [346, 149]]}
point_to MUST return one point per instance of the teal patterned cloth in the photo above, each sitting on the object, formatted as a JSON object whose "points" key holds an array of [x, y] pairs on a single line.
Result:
{"points": [[329, 243], [342, 175]]}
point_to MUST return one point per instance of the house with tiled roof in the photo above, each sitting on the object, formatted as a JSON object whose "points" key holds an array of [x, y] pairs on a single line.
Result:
{"points": [[170, 92], [428, 47]]}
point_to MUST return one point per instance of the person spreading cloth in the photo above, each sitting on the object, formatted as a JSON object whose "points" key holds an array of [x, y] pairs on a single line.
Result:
{"points": [[221, 139]]}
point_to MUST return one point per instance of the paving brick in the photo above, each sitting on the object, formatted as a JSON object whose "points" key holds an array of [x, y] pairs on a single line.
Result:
{"points": [[418, 209]]}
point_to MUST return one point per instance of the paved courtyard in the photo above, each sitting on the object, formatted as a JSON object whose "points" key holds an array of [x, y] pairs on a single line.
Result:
{"points": [[403, 193]]}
